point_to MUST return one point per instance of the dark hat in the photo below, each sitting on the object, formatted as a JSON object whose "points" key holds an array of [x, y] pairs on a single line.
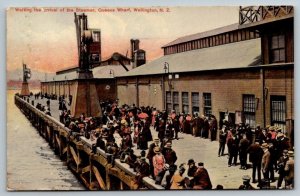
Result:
{"points": [[173, 168], [191, 161], [246, 178], [181, 167], [200, 164]]}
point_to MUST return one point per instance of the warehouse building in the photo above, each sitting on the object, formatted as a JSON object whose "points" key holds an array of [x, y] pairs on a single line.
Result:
{"points": [[242, 72]]}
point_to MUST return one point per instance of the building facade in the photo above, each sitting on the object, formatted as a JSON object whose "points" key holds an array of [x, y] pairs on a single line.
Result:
{"points": [[242, 72]]}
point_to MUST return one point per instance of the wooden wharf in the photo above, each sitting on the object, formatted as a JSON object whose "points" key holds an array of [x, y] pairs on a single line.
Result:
{"points": [[96, 169]]}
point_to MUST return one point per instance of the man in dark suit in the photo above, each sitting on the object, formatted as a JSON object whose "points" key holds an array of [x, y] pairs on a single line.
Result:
{"points": [[201, 178], [255, 157], [169, 154], [205, 127], [243, 146], [213, 128]]}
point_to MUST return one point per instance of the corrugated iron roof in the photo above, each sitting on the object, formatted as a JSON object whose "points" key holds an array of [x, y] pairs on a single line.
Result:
{"points": [[196, 36], [234, 55], [98, 72]]}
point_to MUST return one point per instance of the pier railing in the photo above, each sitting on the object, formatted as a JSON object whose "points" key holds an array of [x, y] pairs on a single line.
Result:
{"points": [[95, 168]]}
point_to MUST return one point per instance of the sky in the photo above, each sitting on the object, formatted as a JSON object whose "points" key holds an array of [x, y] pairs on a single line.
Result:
{"points": [[46, 41]]}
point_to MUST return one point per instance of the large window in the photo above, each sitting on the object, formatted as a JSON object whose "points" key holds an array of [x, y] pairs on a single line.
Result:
{"points": [[195, 102], [168, 101], [176, 102], [278, 112], [185, 102], [277, 48], [249, 108], [207, 104]]}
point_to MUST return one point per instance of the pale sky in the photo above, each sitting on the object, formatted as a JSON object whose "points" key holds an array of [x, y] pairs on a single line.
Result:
{"points": [[47, 41]]}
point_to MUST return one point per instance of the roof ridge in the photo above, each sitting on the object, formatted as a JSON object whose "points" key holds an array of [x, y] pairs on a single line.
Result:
{"points": [[203, 34]]}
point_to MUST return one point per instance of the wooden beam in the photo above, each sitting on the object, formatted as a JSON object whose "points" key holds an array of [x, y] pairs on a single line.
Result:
{"points": [[86, 169], [64, 150], [99, 178], [75, 157], [58, 142]]}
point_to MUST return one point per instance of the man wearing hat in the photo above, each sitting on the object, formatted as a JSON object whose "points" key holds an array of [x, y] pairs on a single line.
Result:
{"points": [[213, 127], [191, 168], [246, 183], [265, 162], [143, 170], [282, 143], [201, 178], [169, 154], [151, 154], [100, 142], [243, 146], [255, 157], [289, 169], [280, 167]]}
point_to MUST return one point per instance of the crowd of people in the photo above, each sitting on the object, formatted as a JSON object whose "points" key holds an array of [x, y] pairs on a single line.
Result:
{"points": [[269, 151], [121, 128]]}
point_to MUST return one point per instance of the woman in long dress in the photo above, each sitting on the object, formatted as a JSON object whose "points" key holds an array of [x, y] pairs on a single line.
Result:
{"points": [[159, 165]]}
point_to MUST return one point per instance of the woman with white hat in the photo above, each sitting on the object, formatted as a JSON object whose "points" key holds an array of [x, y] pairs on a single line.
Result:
{"points": [[159, 165]]}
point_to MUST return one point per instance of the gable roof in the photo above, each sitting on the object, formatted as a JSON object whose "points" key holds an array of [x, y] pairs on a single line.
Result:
{"points": [[234, 55]]}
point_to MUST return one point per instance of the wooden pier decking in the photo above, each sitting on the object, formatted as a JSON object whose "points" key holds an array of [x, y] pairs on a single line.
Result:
{"points": [[94, 169]]}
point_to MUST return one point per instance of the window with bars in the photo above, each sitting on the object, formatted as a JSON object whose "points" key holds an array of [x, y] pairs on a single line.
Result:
{"points": [[278, 112], [176, 101], [249, 108], [195, 102], [277, 48], [185, 102], [207, 104], [168, 101]]}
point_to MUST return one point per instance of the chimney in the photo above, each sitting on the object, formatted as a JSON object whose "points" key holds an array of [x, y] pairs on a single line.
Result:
{"points": [[134, 45], [138, 56]]}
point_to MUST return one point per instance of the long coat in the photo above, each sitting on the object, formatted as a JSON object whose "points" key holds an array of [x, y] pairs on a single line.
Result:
{"points": [[289, 169], [255, 153], [170, 156], [201, 179], [196, 126]]}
